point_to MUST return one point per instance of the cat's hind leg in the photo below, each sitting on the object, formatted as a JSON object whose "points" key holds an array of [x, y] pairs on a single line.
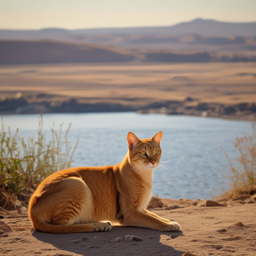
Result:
{"points": [[65, 207]]}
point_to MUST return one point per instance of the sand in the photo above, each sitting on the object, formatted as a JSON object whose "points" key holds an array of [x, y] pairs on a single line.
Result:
{"points": [[205, 231], [134, 84]]}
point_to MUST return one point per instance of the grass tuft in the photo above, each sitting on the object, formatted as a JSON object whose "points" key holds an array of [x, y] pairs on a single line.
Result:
{"points": [[243, 177], [25, 163]]}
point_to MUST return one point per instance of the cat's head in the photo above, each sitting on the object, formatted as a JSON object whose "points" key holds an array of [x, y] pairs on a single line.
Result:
{"points": [[144, 153]]}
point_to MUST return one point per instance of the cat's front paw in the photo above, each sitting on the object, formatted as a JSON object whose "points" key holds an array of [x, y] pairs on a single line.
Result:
{"points": [[102, 226], [173, 226]]}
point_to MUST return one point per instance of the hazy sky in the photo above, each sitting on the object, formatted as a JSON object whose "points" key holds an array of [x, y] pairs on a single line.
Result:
{"points": [[35, 14]]}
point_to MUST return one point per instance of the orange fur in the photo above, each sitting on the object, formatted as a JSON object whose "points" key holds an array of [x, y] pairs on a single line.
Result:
{"points": [[87, 199]]}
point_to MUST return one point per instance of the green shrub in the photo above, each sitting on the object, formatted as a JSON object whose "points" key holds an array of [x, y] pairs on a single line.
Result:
{"points": [[25, 163]]}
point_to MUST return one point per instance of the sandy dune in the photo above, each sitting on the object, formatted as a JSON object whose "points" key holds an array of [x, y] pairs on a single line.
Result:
{"points": [[205, 231]]}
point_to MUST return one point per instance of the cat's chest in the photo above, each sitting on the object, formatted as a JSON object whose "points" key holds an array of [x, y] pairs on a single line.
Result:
{"points": [[145, 198], [146, 191]]}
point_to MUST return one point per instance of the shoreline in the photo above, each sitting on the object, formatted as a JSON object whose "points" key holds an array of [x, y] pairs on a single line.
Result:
{"points": [[188, 107]]}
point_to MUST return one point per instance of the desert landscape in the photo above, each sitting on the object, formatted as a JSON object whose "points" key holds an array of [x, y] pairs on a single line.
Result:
{"points": [[201, 67]]}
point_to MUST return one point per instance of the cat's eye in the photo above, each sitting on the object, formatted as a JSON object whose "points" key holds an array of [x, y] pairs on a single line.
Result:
{"points": [[143, 153]]}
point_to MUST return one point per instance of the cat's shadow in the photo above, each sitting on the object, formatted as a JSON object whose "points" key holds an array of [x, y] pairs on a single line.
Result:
{"points": [[98, 243]]}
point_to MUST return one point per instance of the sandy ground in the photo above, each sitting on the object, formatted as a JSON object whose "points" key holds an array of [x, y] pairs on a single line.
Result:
{"points": [[205, 231], [129, 84]]}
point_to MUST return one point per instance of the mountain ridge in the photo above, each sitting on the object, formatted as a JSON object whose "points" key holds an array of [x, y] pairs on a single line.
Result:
{"points": [[206, 27]]}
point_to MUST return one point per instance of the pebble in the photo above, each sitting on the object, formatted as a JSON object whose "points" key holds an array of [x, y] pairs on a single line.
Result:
{"points": [[232, 238], [222, 230], [172, 207], [79, 240], [92, 246], [5, 227], [117, 239], [19, 229], [130, 238], [239, 223]]}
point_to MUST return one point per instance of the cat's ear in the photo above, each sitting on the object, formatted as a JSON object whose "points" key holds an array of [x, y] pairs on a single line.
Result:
{"points": [[132, 140], [157, 138]]}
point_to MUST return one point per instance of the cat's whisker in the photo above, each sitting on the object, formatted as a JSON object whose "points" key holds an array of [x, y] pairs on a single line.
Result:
{"points": [[166, 168]]}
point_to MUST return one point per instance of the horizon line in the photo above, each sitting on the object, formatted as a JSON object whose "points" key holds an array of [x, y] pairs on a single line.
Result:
{"points": [[127, 27]]}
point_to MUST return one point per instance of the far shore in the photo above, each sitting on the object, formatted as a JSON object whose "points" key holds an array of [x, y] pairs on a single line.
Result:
{"points": [[221, 90], [242, 112]]}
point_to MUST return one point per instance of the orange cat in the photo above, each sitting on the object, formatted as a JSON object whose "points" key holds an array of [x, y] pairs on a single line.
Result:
{"points": [[87, 199]]}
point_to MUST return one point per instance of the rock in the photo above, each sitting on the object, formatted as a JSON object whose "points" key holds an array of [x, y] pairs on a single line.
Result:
{"points": [[232, 238], [92, 246], [217, 247], [79, 240], [188, 254], [130, 238], [18, 203], [210, 203], [25, 194], [242, 197], [189, 99], [172, 207], [240, 202], [23, 210], [155, 202], [117, 239], [222, 230], [4, 227], [19, 229], [239, 223]]}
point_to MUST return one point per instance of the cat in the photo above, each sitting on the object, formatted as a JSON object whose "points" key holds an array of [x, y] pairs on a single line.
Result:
{"points": [[88, 199]]}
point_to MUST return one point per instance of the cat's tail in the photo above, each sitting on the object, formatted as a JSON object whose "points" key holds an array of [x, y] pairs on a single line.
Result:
{"points": [[64, 229]]}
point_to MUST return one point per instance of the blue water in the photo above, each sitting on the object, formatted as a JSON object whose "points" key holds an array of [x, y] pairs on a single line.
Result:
{"points": [[193, 163]]}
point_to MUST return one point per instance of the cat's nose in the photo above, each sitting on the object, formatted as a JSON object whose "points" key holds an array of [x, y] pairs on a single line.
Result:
{"points": [[153, 162]]}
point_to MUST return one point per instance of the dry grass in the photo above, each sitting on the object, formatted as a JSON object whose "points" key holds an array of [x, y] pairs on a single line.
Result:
{"points": [[243, 177], [25, 163]]}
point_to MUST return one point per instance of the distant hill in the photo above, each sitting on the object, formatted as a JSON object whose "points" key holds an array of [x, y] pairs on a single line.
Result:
{"points": [[198, 26], [39, 52], [47, 52]]}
